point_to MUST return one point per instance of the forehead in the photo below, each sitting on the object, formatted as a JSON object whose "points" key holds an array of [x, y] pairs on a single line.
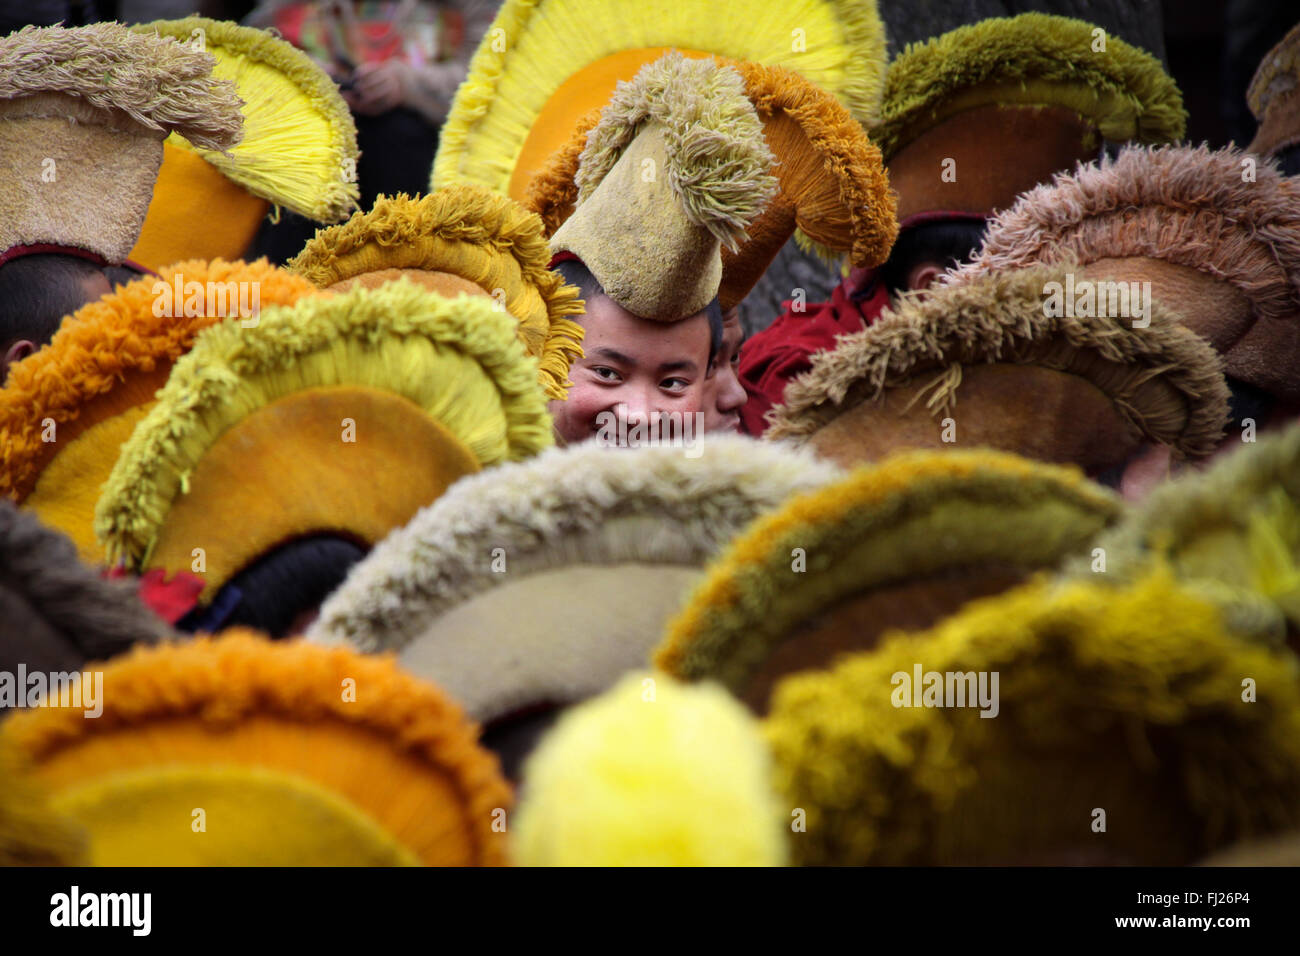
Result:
{"points": [[609, 325]]}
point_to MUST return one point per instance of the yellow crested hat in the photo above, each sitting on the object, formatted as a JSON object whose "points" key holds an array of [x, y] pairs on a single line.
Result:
{"points": [[299, 149], [464, 238], [66, 411], [342, 414], [545, 64]]}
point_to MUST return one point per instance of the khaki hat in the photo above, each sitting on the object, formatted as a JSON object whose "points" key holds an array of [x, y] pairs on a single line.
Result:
{"points": [[299, 149], [833, 194], [540, 583], [954, 367], [673, 173], [1214, 232], [899, 544], [83, 113], [464, 238], [545, 64], [975, 116]]}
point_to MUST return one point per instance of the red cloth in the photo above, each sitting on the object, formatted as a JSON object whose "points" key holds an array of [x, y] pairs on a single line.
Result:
{"points": [[775, 356], [170, 600]]}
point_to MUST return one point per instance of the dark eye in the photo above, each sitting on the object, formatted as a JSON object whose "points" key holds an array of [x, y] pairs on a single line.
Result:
{"points": [[605, 373], [674, 384]]}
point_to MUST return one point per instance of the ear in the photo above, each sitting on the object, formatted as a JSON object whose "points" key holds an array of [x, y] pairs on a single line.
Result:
{"points": [[16, 353], [923, 275]]}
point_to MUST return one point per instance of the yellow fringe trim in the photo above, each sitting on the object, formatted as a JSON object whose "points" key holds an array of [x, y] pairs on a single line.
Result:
{"points": [[457, 359], [107, 341], [477, 234], [1123, 89], [299, 148], [532, 47]]}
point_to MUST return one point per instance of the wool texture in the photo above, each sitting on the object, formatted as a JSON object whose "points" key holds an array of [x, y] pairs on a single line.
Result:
{"points": [[876, 527], [458, 360], [299, 139], [1129, 699], [653, 773], [397, 749], [1001, 318], [535, 47], [468, 231], [1030, 58]]}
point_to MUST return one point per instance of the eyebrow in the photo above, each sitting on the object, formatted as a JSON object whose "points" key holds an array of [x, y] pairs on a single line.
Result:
{"points": [[683, 366], [613, 355]]}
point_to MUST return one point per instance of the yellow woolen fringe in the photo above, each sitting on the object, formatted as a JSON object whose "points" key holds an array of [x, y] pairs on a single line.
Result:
{"points": [[472, 232], [917, 513], [457, 359], [1231, 534], [533, 46], [161, 84], [1122, 89], [299, 148], [1077, 664], [109, 340], [651, 773], [242, 677]]}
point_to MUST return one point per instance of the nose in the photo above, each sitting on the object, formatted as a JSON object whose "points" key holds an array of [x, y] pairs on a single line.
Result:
{"points": [[731, 394]]}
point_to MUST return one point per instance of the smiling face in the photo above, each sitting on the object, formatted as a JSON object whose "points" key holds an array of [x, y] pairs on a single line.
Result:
{"points": [[647, 366], [724, 396]]}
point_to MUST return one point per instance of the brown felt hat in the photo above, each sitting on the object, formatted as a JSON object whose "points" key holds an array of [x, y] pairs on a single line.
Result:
{"points": [[976, 116], [674, 172], [1216, 233], [832, 185], [953, 369], [1274, 97], [83, 113]]}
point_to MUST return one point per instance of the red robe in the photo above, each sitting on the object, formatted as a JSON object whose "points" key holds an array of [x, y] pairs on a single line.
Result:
{"points": [[773, 357]]}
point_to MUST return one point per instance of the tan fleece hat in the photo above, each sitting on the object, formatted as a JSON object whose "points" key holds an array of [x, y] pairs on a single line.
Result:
{"points": [[674, 171], [83, 114]]}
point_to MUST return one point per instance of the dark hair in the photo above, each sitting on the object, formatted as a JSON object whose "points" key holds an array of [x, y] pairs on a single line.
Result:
{"points": [[1288, 159], [123, 274], [281, 584], [575, 272], [946, 243], [37, 291]]}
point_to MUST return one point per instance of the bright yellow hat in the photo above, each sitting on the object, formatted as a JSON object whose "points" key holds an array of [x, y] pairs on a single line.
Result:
{"points": [[341, 414], [651, 773], [299, 149], [544, 64]]}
